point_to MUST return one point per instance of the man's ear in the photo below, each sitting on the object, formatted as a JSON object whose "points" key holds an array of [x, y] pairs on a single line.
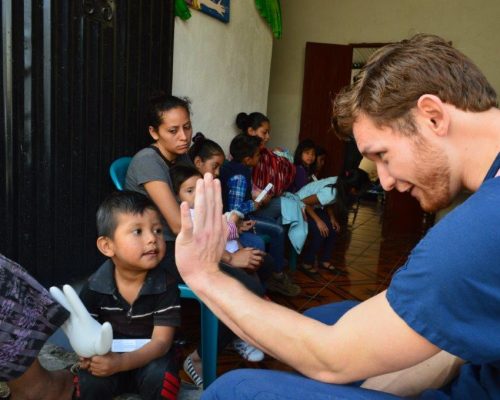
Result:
{"points": [[105, 246], [153, 133], [432, 109]]}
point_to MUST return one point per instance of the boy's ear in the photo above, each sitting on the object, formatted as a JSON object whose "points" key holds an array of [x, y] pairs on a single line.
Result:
{"points": [[246, 160], [105, 246]]}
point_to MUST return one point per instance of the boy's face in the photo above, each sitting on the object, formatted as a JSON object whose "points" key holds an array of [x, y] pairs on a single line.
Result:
{"points": [[137, 243], [187, 190], [252, 161]]}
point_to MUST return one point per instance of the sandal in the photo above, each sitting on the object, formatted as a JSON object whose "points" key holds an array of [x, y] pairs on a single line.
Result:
{"points": [[330, 268], [309, 270], [191, 372]]}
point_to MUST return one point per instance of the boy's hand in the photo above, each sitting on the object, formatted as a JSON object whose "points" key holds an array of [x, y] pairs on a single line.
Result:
{"points": [[247, 258], [106, 365], [246, 225], [201, 241]]}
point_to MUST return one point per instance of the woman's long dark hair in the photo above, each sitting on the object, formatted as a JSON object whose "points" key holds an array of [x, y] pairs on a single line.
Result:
{"points": [[350, 185]]}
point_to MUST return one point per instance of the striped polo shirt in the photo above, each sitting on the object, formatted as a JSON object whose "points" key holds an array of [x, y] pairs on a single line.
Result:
{"points": [[156, 305]]}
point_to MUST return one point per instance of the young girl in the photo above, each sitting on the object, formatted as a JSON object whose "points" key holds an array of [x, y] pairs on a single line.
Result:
{"points": [[321, 220], [184, 179]]}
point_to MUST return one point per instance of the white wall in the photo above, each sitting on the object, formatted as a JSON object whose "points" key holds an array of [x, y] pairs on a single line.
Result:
{"points": [[222, 68], [472, 26]]}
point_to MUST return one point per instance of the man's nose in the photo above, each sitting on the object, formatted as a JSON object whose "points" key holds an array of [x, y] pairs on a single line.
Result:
{"points": [[386, 180]]}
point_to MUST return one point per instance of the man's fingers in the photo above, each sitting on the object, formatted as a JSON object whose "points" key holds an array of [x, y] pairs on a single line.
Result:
{"points": [[209, 201], [186, 221], [200, 208]]}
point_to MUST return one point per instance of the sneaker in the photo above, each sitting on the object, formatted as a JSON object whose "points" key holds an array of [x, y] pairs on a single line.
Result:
{"points": [[191, 372], [282, 285], [247, 351]]}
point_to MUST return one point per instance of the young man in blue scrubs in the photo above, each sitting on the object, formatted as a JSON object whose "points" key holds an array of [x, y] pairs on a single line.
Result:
{"points": [[428, 118]]}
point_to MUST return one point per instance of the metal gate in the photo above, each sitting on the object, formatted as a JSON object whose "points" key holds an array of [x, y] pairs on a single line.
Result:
{"points": [[75, 78]]}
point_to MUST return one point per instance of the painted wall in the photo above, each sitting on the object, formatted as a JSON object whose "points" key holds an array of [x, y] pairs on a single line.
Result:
{"points": [[472, 26], [222, 68]]}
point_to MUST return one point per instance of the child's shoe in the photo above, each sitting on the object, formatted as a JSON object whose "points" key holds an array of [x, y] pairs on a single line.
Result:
{"points": [[281, 283], [191, 372], [247, 351]]}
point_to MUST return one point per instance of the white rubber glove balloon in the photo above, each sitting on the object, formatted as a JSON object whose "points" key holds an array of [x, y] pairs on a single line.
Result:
{"points": [[87, 336]]}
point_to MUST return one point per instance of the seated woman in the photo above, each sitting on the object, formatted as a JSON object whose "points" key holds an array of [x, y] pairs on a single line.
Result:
{"points": [[149, 173]]}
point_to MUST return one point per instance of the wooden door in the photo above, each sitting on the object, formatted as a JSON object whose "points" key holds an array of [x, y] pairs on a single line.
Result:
{"points": [[327, 69]]}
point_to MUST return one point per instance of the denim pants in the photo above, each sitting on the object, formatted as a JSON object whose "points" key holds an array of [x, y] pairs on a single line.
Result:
{"points": [[157, 380], [255, 384], [317, 244]]}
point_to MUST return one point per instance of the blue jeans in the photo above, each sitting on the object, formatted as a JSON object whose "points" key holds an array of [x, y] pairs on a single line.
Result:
{"points": [[254, 384], [267, 226], [159, 379], [317, 244]]}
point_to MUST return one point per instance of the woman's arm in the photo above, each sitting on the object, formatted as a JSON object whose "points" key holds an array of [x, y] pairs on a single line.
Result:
{"points": [[162, 196], [322, 227]]}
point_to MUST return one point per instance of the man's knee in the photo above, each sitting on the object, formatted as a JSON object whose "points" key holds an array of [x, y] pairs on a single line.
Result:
{"points": [[240, 384]]}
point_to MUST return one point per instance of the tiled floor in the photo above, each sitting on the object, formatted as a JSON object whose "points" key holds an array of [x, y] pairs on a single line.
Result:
{"points": [[369, 258]]}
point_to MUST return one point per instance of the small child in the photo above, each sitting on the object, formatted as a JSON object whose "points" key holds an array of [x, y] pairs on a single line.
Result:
{"points": [[184, 179], [140, 300], [321, 220], [236, 182]]}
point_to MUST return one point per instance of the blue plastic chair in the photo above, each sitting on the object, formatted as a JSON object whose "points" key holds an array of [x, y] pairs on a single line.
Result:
{"points": [[118, 171], [209, 322]]}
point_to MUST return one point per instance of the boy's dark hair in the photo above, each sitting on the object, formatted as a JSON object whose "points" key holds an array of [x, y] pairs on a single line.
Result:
{"points": [[243, 146], [160, 103], [179, 173], [204, 148], [125, 202], [304, 145]]}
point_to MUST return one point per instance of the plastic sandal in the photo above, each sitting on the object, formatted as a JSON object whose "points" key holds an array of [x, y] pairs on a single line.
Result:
{"points": [[191, 372]]}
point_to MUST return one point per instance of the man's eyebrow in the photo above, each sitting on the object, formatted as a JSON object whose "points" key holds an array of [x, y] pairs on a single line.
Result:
{"points": [[367, 150]]}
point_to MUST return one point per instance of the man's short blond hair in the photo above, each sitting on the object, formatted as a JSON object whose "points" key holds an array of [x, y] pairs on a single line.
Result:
{"points": [[390, 84]]}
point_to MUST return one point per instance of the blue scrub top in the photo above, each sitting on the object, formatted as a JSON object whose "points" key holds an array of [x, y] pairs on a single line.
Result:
{"points": [[449, 291]]}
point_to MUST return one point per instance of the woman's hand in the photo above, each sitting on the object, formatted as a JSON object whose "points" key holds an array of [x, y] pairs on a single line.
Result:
{"points": [[201, 241]]}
